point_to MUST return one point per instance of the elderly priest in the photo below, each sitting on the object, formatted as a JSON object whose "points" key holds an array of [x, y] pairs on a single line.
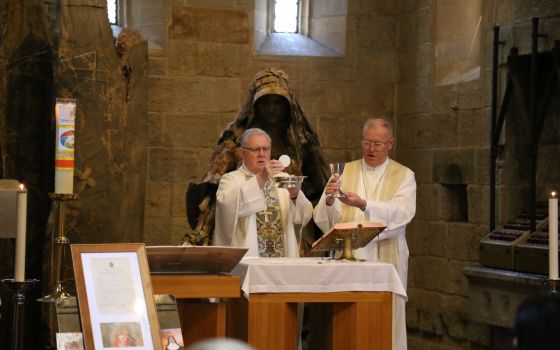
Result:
{"points": [[378, 189], [252, 212]]}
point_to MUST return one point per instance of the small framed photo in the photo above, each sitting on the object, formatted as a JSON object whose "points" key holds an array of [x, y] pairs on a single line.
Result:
{"points": [[171, 339], [115, 296], [69, 341]]}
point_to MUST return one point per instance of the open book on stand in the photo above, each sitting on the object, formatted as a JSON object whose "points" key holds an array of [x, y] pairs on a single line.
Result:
{"points": [[348, 235]]}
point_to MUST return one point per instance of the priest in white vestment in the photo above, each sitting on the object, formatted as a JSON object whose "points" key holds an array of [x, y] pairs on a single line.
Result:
{"points": [[251, 212], [381, 190]]}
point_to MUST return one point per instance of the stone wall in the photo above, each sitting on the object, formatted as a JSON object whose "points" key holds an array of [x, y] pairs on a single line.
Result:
{"points": [[444, 136], [202, 75], [327, 23]]}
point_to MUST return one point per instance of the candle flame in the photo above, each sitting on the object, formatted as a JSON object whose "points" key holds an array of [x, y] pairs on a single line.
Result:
{"points": [[553, 194], [21, 187]]}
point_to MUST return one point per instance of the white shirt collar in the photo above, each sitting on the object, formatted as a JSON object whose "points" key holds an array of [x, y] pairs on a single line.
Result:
{"points": [[379, 168]]}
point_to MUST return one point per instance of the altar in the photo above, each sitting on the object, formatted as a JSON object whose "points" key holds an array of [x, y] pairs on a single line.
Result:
{"points": [[359, 296]]}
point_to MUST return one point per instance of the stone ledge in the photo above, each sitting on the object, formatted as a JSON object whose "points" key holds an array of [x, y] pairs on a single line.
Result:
{"points": [[285, 44], [495, 294]]}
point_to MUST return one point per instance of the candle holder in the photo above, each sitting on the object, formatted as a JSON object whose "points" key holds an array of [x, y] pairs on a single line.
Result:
{"points": [[553, 286], [60, 244], [18, 288]]}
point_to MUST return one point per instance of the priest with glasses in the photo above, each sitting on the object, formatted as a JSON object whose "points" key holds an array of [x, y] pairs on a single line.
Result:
{"points": [[252, 212], [378, 189]]}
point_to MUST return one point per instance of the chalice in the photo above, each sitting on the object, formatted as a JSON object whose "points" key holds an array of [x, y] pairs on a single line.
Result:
{"points": [[288, 181], [336, 171]]}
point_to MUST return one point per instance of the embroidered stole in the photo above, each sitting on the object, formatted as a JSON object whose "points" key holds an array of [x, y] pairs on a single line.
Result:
{"points": [[270, 232], [391, 179]]}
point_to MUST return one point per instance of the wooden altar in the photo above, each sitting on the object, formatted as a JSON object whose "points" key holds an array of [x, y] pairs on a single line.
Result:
{"points": [[357, 320], [356, 300]]}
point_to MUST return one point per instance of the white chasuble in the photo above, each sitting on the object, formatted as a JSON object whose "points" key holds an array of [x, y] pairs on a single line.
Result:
{"points": [[240, 198]]}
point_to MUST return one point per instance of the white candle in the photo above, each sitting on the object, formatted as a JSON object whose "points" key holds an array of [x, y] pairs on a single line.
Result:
{"points": [[19, 273], [553, 236]]}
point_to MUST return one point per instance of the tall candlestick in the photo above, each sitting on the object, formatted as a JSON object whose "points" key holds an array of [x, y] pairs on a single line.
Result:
{"points": [[65, 111], [553, 236], [19, 273]]}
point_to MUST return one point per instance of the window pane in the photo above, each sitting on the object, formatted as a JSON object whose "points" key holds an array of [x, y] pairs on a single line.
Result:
{"points": [[112, 11], [286, 16]]}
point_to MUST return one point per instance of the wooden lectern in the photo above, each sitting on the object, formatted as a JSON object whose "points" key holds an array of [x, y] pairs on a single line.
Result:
{"points": [[198, 276], [347, 236], [199, 320]]}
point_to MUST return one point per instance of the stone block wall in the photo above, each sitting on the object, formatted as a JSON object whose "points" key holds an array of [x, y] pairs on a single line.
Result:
{"points": [[147, 18], [443, 134], [201, 76], [327, 23]]}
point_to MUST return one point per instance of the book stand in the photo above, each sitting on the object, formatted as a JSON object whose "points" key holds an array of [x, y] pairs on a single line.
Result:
{"points": [[346, 237]]}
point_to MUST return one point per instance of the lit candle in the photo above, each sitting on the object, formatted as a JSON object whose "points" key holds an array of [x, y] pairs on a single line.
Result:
{"points": [[65, 111], [553, 236], [19, 273]]}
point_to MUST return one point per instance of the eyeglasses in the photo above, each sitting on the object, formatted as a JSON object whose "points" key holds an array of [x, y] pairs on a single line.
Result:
{"points": [[257, 149], [378, 146]]}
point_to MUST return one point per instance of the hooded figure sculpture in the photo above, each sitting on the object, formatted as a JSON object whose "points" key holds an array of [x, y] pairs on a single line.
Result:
{"points": [[271, 106]]}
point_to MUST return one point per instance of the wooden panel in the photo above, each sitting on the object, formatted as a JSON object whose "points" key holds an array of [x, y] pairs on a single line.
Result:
{"points": [[362, 325], [237, 318], [339, 297], [197, 286], [356, 320], [272, 326], [201, 320]]}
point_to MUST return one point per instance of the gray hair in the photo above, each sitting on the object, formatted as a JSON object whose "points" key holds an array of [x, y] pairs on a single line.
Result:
{"points": [[375, 122], [253, 131]]}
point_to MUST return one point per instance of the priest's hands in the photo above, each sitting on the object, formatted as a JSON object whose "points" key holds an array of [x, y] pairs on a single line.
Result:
{"points": [[353, 200], [331, 188], [350, 198], [272, 168]]}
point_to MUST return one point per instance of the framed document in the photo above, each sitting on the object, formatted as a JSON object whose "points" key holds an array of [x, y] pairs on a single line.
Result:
{"points": [[115, 296]]}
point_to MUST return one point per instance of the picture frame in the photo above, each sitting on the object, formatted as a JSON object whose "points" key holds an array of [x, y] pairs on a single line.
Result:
{"points": [[115, 297]]}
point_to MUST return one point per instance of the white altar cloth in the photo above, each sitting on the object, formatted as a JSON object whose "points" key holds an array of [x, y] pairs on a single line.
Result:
{"points": [[316, 275]]}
